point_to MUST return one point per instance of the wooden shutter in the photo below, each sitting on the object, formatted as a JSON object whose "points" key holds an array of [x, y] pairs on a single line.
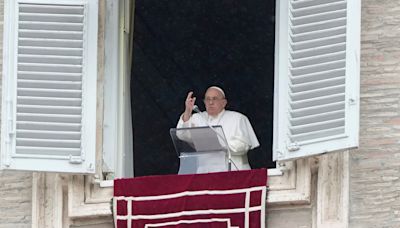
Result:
{"points": [[317, 77], [50, 95]]}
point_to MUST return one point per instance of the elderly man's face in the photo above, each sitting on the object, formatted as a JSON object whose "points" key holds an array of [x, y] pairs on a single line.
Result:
{"points": [[214, 101]]}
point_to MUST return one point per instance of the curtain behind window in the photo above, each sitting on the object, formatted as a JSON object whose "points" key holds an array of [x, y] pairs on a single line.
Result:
{"points": [[181, 46]]}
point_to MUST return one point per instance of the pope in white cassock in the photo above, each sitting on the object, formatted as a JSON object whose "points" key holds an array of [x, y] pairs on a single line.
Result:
{"points": [[236, 126]]}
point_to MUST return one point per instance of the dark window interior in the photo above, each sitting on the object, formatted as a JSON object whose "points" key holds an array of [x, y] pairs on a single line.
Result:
{"points": [[184, 45]]}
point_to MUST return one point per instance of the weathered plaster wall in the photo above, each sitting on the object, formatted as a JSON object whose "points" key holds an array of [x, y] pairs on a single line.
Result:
{"points": [[375, 167], [290, 218], [15, 199]]}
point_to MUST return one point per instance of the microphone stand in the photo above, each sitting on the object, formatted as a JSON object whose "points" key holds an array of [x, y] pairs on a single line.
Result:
{"points": [[197, 110]]}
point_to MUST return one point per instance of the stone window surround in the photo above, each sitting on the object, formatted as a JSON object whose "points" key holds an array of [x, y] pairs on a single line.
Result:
{"points": [[319, 182]]}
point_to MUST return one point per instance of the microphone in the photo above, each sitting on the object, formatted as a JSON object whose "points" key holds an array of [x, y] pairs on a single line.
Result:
{"points": [[196, 109], [230, 162]]}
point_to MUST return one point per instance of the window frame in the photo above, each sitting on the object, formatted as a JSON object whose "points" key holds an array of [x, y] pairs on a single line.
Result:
{"points": [[117, 142], [87, 197], [350, 140], [292, 186], [290, 180]]}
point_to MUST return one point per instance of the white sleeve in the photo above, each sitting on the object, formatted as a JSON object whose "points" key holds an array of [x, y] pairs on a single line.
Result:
{"points": [[184, 135], [244, 137], [182, 124], [238, 145]]}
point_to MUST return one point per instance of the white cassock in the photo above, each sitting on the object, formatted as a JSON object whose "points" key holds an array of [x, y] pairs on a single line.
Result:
{"points": [[238, 132]]}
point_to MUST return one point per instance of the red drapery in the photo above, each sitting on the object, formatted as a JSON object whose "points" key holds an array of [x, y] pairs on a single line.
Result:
{"points": [[226, 199]]}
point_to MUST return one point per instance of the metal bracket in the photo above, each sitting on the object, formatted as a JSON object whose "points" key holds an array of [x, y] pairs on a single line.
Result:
{"points": [[10, 120], [293, 147], [75, 159]]}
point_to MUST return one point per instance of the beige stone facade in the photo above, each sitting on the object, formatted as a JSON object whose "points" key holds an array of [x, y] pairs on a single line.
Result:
{"points": [[374, 168], [357, 189]]}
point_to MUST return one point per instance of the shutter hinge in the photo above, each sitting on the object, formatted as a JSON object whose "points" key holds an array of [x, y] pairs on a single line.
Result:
{"points": [[352, 101], [75, 159], [7, 162], [294, 146], [11, 127], [10, 132], [90, 167]]}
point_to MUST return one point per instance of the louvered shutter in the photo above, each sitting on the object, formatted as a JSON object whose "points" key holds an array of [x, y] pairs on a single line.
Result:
{"points": [[317, 77], [49, 97]]}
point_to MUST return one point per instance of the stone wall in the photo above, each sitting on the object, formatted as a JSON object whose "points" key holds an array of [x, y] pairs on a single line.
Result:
{"points": [[375, 166], [15, 197]]}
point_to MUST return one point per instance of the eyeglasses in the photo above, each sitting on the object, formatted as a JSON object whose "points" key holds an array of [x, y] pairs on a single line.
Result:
{"points": [[212, 99]]}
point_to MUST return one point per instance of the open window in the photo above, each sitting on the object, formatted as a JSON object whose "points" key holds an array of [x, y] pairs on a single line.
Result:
{"points": [[87, 198], [49, 78], [49, 86], [316, 107], [316, 81]]}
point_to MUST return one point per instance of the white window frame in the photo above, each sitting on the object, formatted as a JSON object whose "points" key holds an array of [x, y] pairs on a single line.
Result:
{"points": [[111, 82], [350, 140], [289, 179], [290, 184], [117, 135]]}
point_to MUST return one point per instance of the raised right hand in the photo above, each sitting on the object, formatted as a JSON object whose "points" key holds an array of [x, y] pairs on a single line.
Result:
{"points": [[189, 103]]}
